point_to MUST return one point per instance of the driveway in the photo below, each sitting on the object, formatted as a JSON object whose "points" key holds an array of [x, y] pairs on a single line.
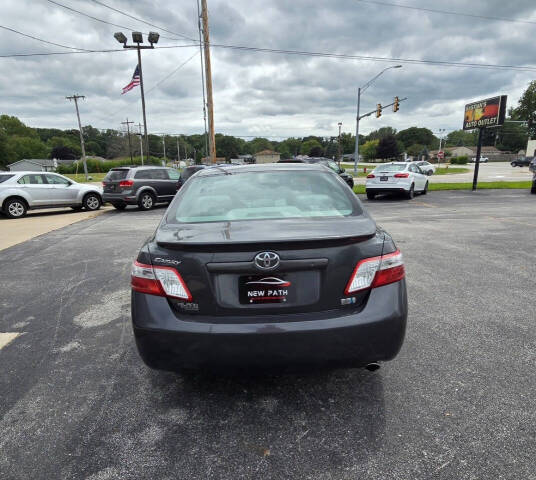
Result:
{"points": [[457, 403]]}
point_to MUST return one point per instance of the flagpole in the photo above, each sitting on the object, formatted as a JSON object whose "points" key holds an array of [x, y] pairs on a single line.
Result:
{"points": [[143, 106]]}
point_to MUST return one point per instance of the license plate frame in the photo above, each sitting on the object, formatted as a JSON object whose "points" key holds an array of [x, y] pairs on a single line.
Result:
{"points": [[384, 178], [265, 289]]}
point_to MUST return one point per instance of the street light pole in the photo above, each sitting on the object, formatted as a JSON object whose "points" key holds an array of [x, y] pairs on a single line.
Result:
{"points": [[339, 145], [359, 91], [137, 38], [127, 123]]}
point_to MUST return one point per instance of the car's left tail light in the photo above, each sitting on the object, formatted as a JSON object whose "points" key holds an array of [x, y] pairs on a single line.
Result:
{"points": [[161, 281], [375, 272]]}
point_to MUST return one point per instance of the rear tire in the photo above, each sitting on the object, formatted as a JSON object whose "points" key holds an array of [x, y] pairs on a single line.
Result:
{"points": [[119, 206], [371, 195], [15, 208], [92, 202], [533, 189], [146, 201], [411, 193]]}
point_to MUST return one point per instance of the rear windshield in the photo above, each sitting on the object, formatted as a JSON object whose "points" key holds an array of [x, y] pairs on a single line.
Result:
{"points": [[263, 195], [114, 175], [3, 178], [390, 167]]}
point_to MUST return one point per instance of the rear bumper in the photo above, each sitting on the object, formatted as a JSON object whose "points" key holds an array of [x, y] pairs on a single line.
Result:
{"points": [[119, 198], [387, 188], [168, 342]]}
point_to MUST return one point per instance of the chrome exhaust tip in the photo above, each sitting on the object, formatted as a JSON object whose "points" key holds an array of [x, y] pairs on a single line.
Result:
{"points": [[372, 367]]}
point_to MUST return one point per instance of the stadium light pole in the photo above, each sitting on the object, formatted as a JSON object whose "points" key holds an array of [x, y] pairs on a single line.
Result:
{"points": [[137, 38], [360, 90]]}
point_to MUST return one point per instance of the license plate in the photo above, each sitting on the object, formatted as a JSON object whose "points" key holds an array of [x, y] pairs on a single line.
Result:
{"points": [[384, 179], [255, 289]]}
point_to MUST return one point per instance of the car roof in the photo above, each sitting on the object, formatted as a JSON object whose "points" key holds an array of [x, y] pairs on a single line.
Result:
{"points": [[262, 167]]}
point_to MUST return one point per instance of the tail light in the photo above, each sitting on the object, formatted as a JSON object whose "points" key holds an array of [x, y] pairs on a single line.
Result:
{"points": [[161, 281], [126, 183], [371, 175], [401, 175], [376, 272]]}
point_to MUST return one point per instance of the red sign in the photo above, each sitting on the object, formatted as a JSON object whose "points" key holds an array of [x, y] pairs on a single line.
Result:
{"points": [[440, 154]]}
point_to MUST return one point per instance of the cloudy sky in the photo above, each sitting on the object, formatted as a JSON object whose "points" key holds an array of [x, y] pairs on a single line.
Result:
{"points": [[265, 94]]}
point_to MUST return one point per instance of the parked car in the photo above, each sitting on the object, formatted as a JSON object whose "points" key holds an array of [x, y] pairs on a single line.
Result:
{"points": [[482, 160], [521, 162], [426, 167], [254, 267], [328, 163], [142, 186], [396, 177], [23, 191], [187, 172], [532, 168]]}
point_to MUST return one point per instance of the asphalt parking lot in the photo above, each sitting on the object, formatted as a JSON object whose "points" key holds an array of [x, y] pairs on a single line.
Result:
{"points": [[458, 402]]}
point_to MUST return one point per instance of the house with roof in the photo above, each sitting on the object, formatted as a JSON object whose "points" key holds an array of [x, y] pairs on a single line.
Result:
{"points": [[267, 156], [37, 165]]}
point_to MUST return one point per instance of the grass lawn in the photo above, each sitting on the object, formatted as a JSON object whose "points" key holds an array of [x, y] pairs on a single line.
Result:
{"points": [[450, 170], [80, 177], [465, 186]]}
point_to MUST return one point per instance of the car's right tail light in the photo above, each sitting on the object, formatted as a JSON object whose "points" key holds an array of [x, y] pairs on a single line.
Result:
{"points": [[161, 281], [126, 183], [375, 272], [401, 175]]}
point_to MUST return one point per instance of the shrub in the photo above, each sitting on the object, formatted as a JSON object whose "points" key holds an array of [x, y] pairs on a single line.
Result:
{"points": [[97, 166], [461, 160]]}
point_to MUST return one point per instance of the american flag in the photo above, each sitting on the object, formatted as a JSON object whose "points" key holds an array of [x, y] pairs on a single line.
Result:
{"points": [[134, 82]]}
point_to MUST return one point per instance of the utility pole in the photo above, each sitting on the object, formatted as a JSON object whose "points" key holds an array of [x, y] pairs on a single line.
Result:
{"points": [[441, 130], [339, 145], [199, 29], [75, 97], [141, 142], [208, 75], [127, 123], [164, 144], [178, 152]]}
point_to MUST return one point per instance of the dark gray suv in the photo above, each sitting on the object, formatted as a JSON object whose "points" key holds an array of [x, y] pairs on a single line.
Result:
{"points": [[142, 186]]}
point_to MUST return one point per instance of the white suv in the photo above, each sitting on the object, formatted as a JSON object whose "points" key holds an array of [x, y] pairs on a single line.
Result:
{"points": [[22, 191]]}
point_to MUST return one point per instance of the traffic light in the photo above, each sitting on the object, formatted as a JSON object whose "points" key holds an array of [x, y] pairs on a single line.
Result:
{"points": [[395, 105], [378, 110]]}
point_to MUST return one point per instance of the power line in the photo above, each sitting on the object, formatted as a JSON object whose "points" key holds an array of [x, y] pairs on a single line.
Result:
{"points": [[100, 20], [110, 50], [41, 40], [375, 58], [446, 12], [142, 21], [171, 73]]}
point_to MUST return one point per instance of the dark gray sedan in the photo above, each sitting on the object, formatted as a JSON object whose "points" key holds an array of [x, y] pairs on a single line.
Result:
{"points": [[268, 266]]}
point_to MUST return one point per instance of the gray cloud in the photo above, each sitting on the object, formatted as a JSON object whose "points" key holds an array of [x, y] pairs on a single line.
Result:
{"points": [[264, 93]]}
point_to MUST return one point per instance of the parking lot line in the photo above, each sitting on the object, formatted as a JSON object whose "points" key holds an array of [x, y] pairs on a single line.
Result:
{"points": [[7, 337], [424, 204]]}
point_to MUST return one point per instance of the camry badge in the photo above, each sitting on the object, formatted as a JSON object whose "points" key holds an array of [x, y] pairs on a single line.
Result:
{"points": [[266, 261]]}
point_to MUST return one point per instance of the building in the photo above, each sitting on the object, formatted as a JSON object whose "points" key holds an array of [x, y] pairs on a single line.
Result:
{"points": [[267, 156], [37, 165]]}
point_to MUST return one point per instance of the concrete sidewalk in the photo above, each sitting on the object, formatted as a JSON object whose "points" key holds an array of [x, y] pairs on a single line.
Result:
{"points": [[38, 222]]}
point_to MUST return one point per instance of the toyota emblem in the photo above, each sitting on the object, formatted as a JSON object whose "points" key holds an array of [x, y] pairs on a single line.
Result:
{"points": [[266, 260]]}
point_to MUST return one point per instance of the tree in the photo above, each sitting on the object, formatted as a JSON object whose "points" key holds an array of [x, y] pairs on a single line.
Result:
{"points": [[414, 149], [381, 133], [26, 147], [369, 150], [308, 146], [316, 152], [13, 126], [258, 145], [461, 138], [512, 137], [228, 146], [526, 108], [388, 147], [415, 135]]}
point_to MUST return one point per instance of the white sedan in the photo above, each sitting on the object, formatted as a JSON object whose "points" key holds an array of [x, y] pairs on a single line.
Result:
{"points": [[396, 177], [426, 167]]}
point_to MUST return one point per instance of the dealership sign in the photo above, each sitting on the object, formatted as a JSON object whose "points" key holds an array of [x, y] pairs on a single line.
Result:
{"points": [[485, 113]]}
